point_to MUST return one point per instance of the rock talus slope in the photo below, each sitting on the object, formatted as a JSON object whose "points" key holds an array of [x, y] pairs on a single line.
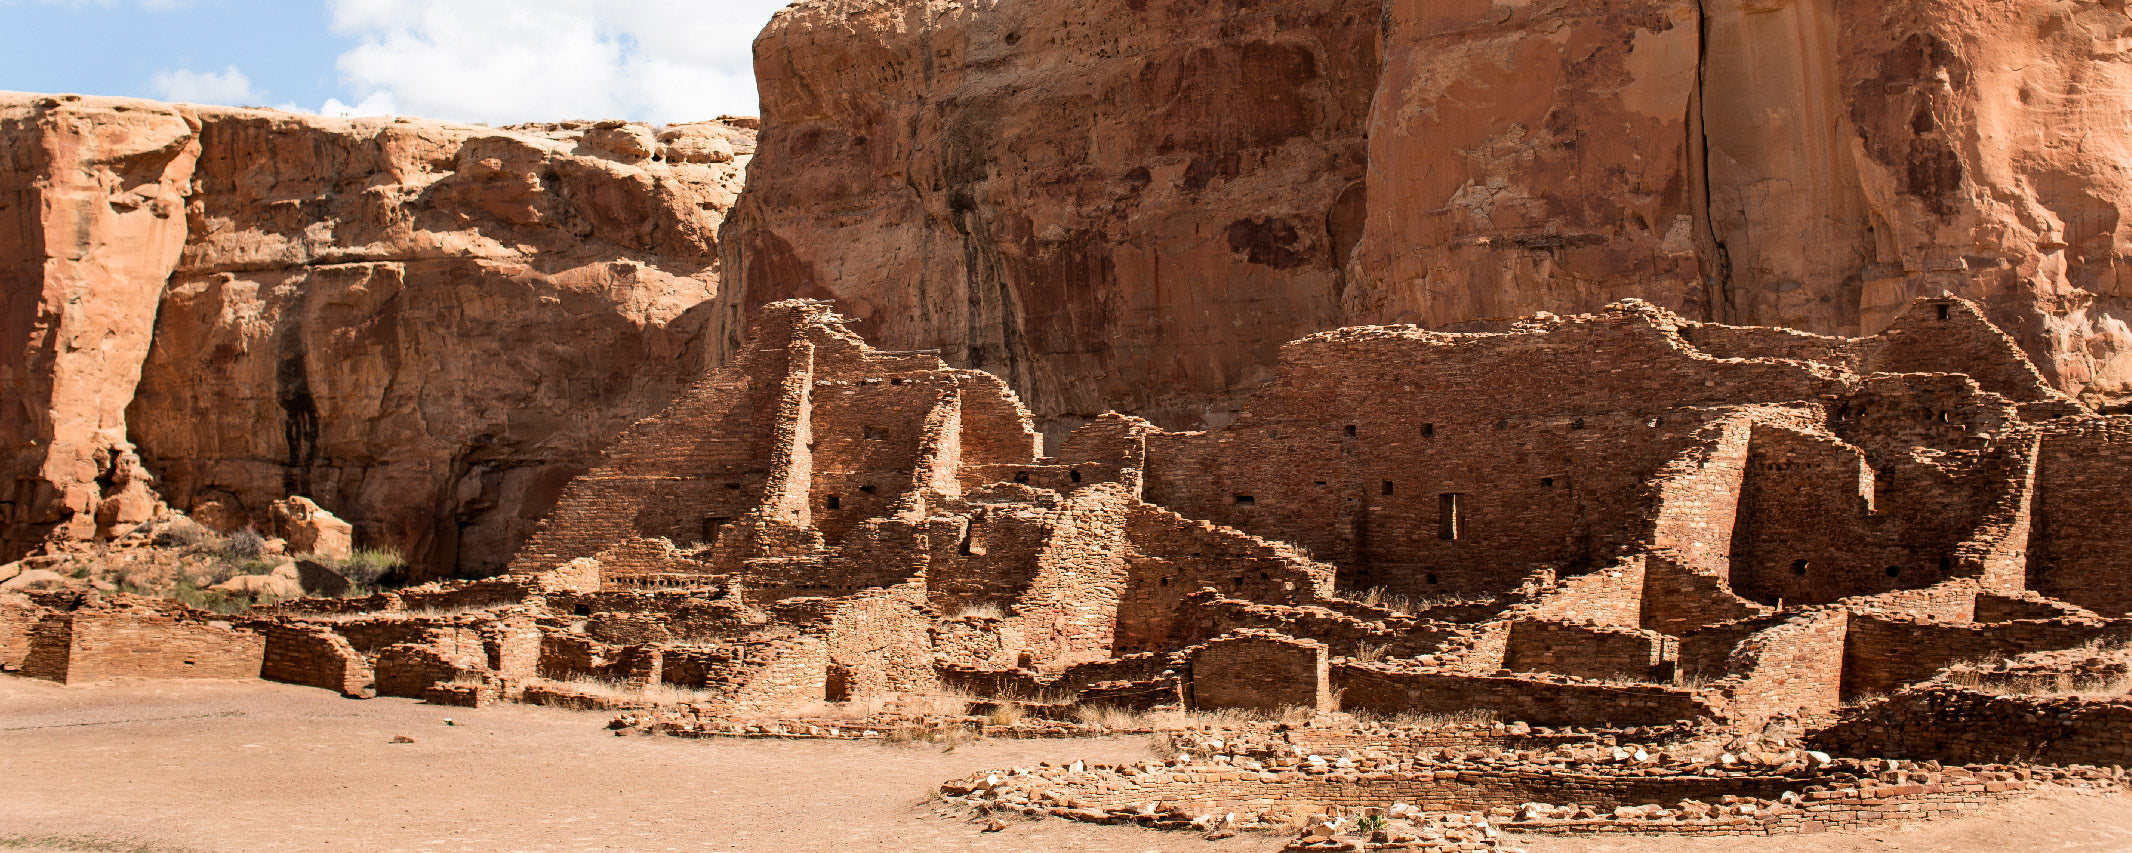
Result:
{"points": [[1131, 203], [428, 328]]}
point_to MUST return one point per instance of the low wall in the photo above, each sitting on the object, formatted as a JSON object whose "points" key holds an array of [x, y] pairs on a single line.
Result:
{"points": [[95, 645], [1599, 652], [1954, 725], [315, 656], [1883, 655], [1382, 689]]}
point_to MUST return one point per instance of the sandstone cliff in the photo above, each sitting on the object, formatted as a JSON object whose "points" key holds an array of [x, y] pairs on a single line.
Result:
{"points": [[427, 328], [1132, 203]]}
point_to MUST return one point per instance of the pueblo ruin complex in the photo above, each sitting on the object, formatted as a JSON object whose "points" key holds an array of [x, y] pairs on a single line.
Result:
{"points": [[1610, 572]]}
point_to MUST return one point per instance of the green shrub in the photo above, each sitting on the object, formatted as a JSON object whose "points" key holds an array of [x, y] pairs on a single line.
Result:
{"points": [[365, 566]]}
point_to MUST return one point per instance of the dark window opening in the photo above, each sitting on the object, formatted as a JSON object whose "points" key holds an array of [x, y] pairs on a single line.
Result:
{"points": [[1317, 482], [867, 489], [713, 527], [1798, 567], [1447, 516], [1074, 476], [1577, 424], [897, 380], [1655, 423], [1503, 424], [1165, 582], [1547, 482], [1429, 578], [1895, 571], [1350, 430], [1946, 564], [874, 433], [1245, 500], [733, 486], [1943, 311], [1021, 476], [582, 610], [1428, 430], [1387, 487], [833, 502]]}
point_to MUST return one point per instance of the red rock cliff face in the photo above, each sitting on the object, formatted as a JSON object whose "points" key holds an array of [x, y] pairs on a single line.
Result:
{"points": [[427, 328], [1130, 203]]}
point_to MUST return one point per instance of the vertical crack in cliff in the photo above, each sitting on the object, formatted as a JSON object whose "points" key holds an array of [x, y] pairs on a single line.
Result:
{"points": [[1715, 260]]}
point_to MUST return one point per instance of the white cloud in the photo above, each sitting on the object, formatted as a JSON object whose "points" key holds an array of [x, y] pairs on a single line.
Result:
{"points": [[228, 87], [379, 104], [522, 60]]}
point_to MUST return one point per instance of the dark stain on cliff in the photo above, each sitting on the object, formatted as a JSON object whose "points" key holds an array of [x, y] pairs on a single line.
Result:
{"points": [[1267, 242], [292, 386]]}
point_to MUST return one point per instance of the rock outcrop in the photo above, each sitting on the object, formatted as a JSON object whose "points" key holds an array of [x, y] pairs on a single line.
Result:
{"points": [[426, 327], [1130, 203]]}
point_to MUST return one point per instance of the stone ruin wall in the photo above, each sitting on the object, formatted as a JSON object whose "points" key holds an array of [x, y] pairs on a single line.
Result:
{"points": [[1098, 587]]}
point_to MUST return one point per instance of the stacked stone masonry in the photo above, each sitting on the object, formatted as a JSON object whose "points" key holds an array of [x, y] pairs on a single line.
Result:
{"points": [[1616, 519]]}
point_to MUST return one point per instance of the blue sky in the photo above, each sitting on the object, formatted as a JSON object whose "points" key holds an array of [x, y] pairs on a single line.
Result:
{"points": [[468, 60]]}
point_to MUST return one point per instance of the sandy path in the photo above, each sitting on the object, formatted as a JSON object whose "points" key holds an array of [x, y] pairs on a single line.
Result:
{"points": [[256, 766]]}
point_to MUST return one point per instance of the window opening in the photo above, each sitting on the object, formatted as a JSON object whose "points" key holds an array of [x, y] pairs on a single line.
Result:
{"points": [[833, 502], [1428, 430], [1245, 500], [1447, 516], [1798, 567], [1895, 571], [1350, 430], [1388, 487], [1943, 311], [1073, 475], [713, 527], [874, 433]]}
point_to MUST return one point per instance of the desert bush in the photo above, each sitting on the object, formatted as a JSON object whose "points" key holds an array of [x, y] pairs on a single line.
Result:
{"points": [[1004, 714], [185, 533], [244, 545], [366, 566], [213, 601]]}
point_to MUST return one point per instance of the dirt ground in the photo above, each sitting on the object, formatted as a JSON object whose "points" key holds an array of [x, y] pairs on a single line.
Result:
{"points": [[195, 766]]}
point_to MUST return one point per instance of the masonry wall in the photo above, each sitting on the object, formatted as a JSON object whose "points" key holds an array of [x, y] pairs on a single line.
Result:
{"points": [[1819, 522], [1545, 461], [1542, 702], [1884, 654], [1261, 672], [1699, 497], [1955, 726], [2079, 551], [1205, 616], [1170, 557], [1792, 668], [16, 619], [134, 644], [1069, 612], [1586, 650], [314, 656], [1953, 336]]}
